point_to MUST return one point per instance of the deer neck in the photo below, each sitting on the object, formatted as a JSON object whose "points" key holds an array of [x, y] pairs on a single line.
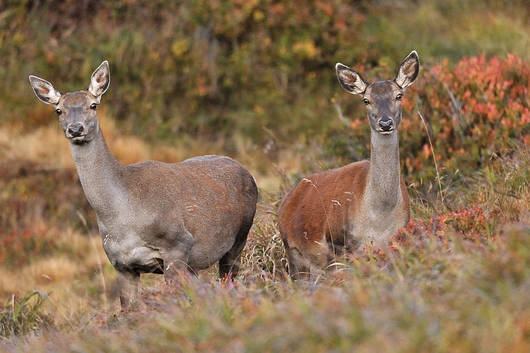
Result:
{"points": [[383, 191], [100, 176]]}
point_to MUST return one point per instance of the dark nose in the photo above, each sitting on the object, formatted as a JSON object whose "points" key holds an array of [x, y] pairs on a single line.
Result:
{"points": [[386, 124], [76, 129]]}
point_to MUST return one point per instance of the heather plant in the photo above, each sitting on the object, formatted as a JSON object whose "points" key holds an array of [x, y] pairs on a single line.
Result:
{"points": [[476, 109]]}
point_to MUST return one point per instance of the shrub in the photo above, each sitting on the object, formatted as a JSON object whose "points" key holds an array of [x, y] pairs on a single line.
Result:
{"points": [[477, 109]]}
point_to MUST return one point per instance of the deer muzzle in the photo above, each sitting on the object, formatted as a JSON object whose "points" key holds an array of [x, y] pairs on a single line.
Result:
{"points": [[76, 131], [385, 125]]}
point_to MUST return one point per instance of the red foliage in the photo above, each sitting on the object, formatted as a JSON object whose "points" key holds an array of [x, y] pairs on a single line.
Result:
{"points": [[473, 109], [20, 247], [471, 223]]}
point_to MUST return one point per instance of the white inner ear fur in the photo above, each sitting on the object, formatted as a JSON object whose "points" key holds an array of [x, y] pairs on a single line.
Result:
{"points": [[407, 72], [350, 78], [100, 80], [44, 90]]}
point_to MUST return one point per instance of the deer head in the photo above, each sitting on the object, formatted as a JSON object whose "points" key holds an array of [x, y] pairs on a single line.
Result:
{"points": [[382, 98], [76, 110]]}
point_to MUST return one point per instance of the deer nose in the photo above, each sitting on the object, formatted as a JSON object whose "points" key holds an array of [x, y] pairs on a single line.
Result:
{"points": [[75, 129], [386, 124]]}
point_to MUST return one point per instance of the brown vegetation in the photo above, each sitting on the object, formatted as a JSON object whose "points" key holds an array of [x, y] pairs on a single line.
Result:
{"points": [[458, 277]]}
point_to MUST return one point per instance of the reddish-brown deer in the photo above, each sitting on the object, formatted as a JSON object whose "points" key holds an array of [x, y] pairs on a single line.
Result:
{"points": [[365, 202]]}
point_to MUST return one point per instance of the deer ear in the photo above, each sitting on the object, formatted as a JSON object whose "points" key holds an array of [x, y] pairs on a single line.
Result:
{"points": [[44, 90], [100, 80], [350, 80], [408, 70]]}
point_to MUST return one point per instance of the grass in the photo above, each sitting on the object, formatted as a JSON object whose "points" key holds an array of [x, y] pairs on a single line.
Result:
{"points": [[460, 288], [23, 316], [254, 80], [457, 296]]}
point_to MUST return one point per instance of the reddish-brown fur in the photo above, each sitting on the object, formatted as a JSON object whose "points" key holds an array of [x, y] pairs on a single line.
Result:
{"points": [[318, 210], [366, 202]]}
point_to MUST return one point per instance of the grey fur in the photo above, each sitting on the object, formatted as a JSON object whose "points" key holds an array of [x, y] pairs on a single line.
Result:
{"points": [[382, 211], [383, 207], [159, 217]]}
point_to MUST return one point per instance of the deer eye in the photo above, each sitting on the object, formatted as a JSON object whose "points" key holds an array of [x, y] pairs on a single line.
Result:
{"points": [[366, 101], [93, 106], [399, 96], [58, 111]]}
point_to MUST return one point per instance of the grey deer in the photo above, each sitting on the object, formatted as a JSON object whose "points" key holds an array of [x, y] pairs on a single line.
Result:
{"points": [[154, 217], [364, 202]]}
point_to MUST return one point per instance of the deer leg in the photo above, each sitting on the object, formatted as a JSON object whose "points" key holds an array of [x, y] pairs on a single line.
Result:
{"points": [[307, 264], [229, 263], [128, 284], [176, 260], [299, 267]]}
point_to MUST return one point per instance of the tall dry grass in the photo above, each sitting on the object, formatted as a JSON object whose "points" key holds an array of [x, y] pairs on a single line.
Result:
{"points": [[416, 300]]}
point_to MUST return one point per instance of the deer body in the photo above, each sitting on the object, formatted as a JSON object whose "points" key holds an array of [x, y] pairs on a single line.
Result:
{"points": [[191, 197], [365, 202], [152, 216]]}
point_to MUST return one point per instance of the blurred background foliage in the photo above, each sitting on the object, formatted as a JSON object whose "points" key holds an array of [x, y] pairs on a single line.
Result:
{"points": [[262, 71], [254, 79]]}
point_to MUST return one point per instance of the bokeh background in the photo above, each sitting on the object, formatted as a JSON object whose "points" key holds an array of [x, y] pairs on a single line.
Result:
{"points": [[255, 80]]}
